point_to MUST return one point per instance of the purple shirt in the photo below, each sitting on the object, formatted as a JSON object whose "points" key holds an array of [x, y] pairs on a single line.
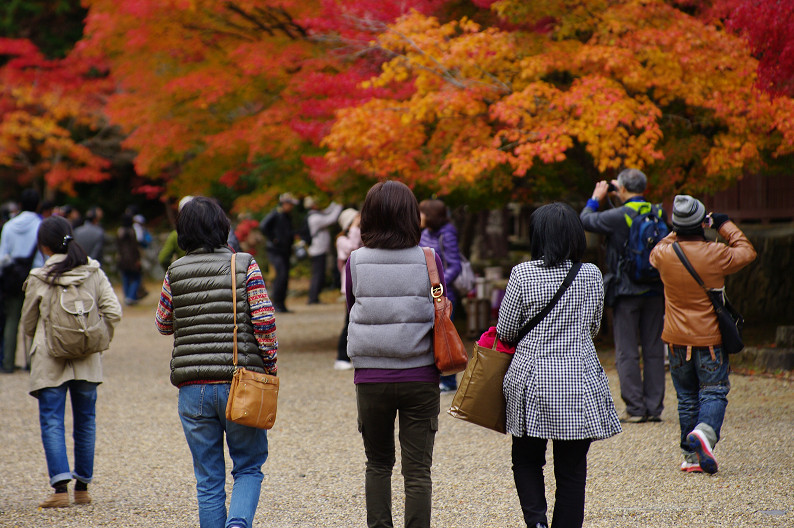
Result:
{"points": [[428, 373]]}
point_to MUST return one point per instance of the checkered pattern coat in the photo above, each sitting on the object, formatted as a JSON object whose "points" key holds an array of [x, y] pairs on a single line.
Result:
{"points": [[555, 386]]}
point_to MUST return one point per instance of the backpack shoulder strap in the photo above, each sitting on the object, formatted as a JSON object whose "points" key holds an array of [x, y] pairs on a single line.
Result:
{"points": [[632, 210]]}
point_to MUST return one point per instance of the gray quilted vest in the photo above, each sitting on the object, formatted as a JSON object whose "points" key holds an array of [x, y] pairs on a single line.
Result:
{"points": [[391, 322], [201, 291]]}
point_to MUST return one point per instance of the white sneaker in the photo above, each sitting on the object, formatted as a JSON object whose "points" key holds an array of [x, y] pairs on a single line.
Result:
{"points": [[702, 447], [691, 467], [342, 365]]}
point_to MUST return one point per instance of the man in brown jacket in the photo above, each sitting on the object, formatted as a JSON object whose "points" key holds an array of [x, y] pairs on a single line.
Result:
{"points": [[698, 364]]}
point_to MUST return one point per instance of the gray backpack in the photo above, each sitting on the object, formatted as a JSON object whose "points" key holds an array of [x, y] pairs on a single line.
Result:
{"points": [[74, 328]]}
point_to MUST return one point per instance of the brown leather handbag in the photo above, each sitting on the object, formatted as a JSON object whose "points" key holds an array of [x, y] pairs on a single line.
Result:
{"points": [[448, 348], [253, 396]]}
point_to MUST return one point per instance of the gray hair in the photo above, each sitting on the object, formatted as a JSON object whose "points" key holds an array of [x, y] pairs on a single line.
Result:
{"points": [[634, 180]]}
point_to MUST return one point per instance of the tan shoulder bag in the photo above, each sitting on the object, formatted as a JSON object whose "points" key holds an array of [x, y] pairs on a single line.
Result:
{"points": [[253, 396]]}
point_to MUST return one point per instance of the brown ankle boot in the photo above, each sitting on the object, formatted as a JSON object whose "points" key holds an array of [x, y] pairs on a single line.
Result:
{"points": [[56, 500], [82, 497]]}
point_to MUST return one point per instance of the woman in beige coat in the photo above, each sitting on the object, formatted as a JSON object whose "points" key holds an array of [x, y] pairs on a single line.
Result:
{"points": [[50, 377]]}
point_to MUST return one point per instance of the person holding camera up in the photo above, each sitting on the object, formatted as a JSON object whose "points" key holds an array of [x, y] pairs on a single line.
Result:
{"points": [[698, 361], [634, 290]]}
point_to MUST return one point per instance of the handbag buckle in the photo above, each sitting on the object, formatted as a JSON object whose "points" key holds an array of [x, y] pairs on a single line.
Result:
{"points": [[437, 291]]}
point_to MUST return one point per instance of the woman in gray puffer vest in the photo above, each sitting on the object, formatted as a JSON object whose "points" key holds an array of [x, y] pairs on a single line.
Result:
{"points": [[196, 307], [390, 343]]}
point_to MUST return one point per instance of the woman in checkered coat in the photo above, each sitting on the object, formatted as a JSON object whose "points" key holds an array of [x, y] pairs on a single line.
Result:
{"points": [[555, 387]]}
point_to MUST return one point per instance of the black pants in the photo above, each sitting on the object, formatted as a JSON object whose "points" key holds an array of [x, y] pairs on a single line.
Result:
{"points": [[278, 291], [341, 346], [570, 472], [318, 278], [416, 405]]}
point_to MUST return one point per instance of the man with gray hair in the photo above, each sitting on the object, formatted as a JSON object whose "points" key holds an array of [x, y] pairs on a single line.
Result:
{"points": [[638, 307]]}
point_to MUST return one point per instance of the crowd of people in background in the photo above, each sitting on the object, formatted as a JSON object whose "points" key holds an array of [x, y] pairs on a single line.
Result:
{"points": [[386, 337]]}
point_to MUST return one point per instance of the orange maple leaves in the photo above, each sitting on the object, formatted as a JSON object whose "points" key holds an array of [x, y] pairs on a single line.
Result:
{"points": [[206, 87], [624, 82], [49, 110]]}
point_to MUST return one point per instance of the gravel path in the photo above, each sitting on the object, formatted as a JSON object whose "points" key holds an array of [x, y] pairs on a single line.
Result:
{"points": [[315, 474]]}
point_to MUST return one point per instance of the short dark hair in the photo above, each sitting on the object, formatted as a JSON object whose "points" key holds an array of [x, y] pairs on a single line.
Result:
{"points": [[202, 224], [390, 217], [435, 213], [91, 214], [556, 234], [29, 200], [696, 230]]}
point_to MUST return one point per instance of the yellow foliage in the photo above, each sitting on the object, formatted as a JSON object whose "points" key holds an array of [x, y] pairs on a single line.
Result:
{"points": [[613, 75]]}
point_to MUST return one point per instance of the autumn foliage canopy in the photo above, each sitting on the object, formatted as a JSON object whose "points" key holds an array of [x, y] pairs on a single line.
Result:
{"points": [[49, 112], [253, 97]]}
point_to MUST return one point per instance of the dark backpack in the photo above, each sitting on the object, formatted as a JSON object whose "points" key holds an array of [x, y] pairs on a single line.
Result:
{"points": [[14, 273], [646, 229]]}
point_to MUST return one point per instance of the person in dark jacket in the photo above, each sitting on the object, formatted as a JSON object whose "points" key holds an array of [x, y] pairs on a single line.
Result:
{"points": [[202, 359], [129, 260], [90, 234], [439, 233], [638, 308], [279, 237]]}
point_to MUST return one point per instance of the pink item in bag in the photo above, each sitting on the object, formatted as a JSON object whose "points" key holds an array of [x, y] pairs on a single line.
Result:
{"points": [[486, 341]]}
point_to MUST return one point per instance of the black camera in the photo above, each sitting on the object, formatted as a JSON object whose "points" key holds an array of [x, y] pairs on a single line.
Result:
{"points": [[611, 187]]}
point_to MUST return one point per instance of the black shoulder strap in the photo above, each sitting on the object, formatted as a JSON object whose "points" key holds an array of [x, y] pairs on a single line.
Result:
{"points": [[543, 313], [688, 265]]}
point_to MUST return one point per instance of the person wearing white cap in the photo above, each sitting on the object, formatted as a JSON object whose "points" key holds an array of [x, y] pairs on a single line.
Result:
{"points": [[319, 221], [638, 307], [348, 241], [698, 364]]}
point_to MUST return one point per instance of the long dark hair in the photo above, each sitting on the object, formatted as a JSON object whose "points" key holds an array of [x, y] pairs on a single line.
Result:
{"points": [[55, 233], [556, 234], [390, 217]]}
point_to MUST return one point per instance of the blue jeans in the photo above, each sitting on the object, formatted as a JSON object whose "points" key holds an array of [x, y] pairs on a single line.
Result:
{"points": [[702, 387], [202, 410], [130, 282], [52, 403]]}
